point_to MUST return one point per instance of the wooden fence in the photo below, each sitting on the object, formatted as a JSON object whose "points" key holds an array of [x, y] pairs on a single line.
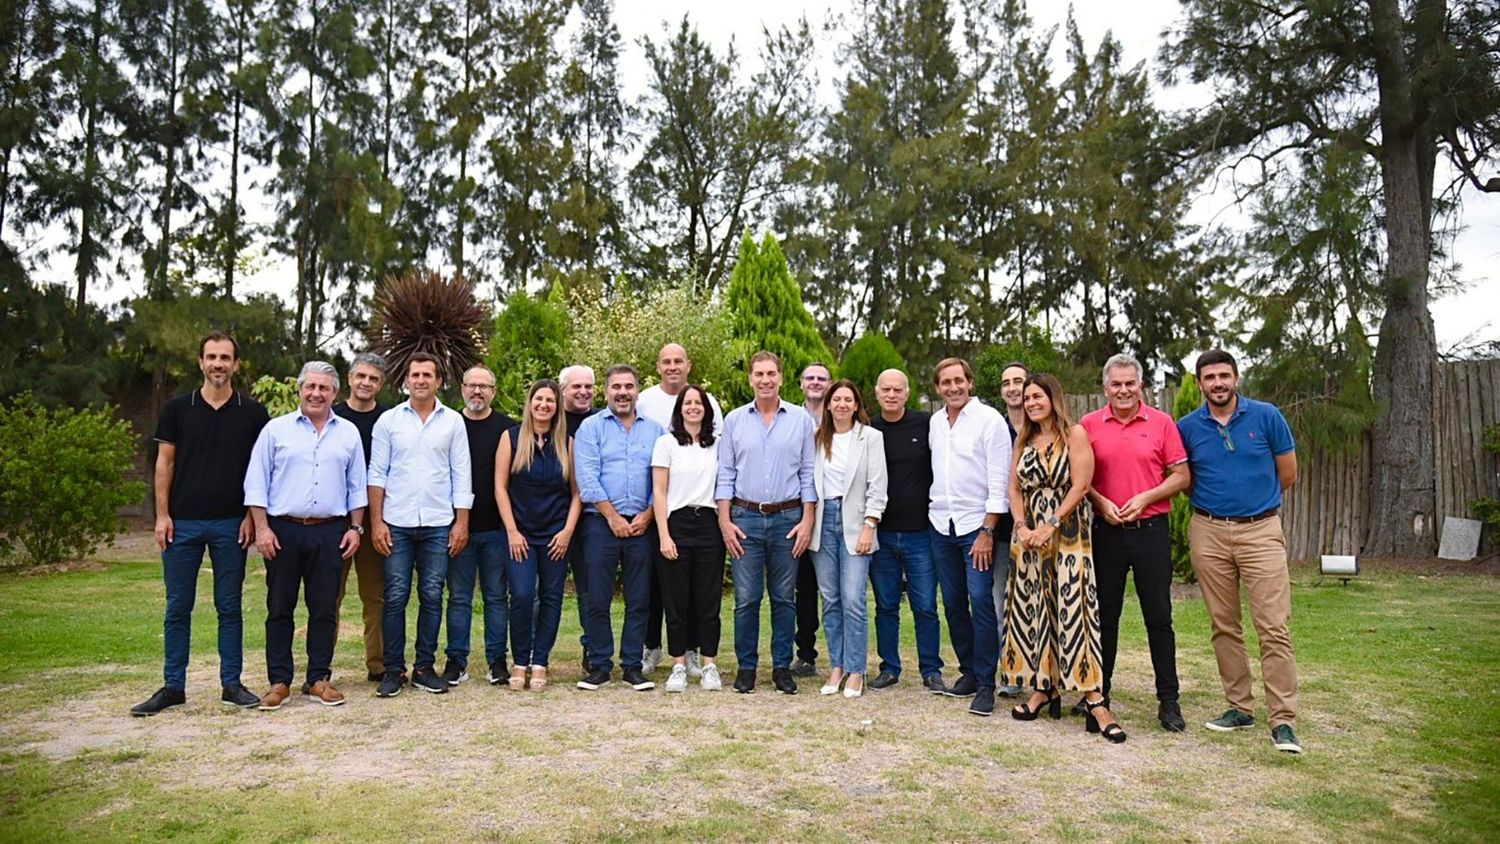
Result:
{"points": [[1326, 511]]}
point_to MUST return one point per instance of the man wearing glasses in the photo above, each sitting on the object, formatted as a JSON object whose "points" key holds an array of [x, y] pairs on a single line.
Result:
{"points": [[485, 556], [815, 382], [1243, 458]]}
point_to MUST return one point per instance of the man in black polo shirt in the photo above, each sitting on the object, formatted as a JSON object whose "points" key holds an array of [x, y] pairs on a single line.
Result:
{"points": [[487, 556], [366, 375], [204, 439], [905, 552]]}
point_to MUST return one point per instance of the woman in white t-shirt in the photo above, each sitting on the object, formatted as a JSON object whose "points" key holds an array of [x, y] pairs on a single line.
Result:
{"points": [[850, 477], [685, 466]]}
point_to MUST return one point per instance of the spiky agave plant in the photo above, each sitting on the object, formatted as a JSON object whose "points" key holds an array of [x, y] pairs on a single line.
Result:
{"points": [[422, 311]]}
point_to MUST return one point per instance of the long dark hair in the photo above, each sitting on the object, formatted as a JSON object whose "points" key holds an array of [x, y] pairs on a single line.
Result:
{"points": [[824, 438], [1060, 424], [679, 428]]}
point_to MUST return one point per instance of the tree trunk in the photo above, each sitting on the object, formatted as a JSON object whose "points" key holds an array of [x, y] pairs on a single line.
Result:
{"points": [[84, 268], [1403, 499], [168, 197], [232, 211]]}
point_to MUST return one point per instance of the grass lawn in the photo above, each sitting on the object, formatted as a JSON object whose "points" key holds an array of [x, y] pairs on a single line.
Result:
{"points": [[1400, 715]]}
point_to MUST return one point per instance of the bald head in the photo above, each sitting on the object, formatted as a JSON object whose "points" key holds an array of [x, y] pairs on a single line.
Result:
{"points": [[673, 366], [892, 390]]}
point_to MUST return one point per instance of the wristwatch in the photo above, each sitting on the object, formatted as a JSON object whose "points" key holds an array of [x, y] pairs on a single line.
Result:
{"points": [[869, 522], [1052, 520], [359, 529], [987, 531]]}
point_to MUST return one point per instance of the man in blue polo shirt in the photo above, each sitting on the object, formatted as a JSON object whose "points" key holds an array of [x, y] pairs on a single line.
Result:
{"points": [[612, 464], [1242, 458]]}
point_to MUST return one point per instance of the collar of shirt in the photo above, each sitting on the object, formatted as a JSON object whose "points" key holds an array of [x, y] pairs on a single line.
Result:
{"points": [[1139, 415]]}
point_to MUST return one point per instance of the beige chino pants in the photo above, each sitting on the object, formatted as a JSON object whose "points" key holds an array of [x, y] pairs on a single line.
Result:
{"points": [[369, 568], [1224, 555]]}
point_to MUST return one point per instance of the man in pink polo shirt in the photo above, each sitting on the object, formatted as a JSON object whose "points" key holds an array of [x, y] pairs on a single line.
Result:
{"points": [[1139, 464]]}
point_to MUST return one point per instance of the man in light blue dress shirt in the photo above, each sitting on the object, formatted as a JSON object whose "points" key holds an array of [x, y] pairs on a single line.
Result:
{"points": [[612, 464], [305, 488], [421, 492], [766, 499]]}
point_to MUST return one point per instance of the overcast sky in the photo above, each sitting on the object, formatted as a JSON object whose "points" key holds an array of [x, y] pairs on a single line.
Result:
{"points": [[1138, 25]]}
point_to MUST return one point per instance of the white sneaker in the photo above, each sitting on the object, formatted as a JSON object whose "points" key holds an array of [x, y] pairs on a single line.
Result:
{"points": [[694, 664], [678, 681], [650, 659], [711, 681]]}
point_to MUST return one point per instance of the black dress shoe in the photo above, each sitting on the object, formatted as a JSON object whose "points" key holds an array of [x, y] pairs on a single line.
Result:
{"points": [[934, 683], [375, 676], [884, 680], [1170, 716], [744, 681], [804, 668], [781, 678], [165, 698], [239, 696], [984, 703], [964, 686]]}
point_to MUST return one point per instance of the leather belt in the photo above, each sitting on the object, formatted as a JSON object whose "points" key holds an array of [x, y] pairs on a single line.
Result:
{"points": [[323, 520], [1138, 524], [1238, 520], [767, 509]]}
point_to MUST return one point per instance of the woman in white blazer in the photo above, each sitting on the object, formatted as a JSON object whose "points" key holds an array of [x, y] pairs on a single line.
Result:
{"points": [[849, 474]]}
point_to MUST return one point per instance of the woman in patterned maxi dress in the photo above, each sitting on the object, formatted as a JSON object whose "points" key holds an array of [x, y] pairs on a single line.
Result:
{"points": [[1051, 605]]}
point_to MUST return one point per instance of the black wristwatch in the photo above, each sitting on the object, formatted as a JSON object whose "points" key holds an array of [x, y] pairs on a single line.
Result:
{"points": [[359, 529], [987, 531]]}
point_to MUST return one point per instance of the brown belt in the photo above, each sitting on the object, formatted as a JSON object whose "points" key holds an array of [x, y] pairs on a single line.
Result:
{"points": [[767, 509], [301, 521], [1238, 520]]}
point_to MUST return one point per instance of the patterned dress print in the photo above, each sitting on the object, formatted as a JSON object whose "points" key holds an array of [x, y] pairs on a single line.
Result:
{"points": [[1051, 600]]}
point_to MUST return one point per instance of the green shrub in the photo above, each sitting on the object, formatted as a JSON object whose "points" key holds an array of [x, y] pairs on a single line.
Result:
{"points": [[63, 478], [1039, 353], [1487, 510], [529, 342], [279, 395], [1189, 397], [869, 356]]}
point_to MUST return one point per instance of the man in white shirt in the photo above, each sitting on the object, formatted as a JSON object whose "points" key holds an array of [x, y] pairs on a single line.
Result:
{"points": [[969, 509], [657, 404], [421, 492]]}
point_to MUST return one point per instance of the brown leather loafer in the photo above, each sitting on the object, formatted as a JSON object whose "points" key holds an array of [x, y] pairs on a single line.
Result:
{"points": [[326, 694], [275, 698]]}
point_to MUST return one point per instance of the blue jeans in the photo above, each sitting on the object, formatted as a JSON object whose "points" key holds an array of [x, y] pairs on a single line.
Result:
{"points": [[550, 576], [604, 554], [905, 554], [180, 563], [488, 556], [768, 562], [426, 550], [969, 602], [842, 580]]}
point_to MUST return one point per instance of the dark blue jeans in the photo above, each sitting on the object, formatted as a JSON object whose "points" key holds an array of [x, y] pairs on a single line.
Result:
{"points": [[604, 554], [550, 576], [508, 589], [179, 568], [767, 563], [905, 555], [424, 549], [969, 603]]}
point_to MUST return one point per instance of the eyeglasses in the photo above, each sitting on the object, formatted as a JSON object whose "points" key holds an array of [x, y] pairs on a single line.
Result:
{"points": [[479, 386], [1228, 440]]}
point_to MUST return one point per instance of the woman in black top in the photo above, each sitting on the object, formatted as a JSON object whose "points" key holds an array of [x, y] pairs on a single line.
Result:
{"points": [[539, 505]]}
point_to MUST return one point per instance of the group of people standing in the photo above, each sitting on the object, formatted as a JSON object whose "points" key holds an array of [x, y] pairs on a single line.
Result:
{"points": [[1027, 522]]}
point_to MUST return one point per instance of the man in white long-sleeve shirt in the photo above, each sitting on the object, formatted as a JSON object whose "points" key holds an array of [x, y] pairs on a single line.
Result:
{"points": [[968, 511], [421, 492]]}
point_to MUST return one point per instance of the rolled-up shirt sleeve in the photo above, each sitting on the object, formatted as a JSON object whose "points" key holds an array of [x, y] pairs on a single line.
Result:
{"points": [[258, 474], [807, 467], [997, 451]]}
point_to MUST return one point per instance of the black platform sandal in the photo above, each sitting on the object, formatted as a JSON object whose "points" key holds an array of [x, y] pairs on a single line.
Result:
{"points": [[1113, 732], [1053, 704]]}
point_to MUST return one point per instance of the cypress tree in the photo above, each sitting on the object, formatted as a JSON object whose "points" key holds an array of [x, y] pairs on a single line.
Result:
{"points": [[767, 309], [1189, 397]]}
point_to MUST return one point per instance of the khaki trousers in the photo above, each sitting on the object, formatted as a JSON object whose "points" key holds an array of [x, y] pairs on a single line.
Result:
{"points": [[369, 568], [1224, 555]]}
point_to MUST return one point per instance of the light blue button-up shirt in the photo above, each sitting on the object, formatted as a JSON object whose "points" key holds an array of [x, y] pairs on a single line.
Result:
{"points": [[767, 465], [423, 467], [613, 464], [297, 471]]}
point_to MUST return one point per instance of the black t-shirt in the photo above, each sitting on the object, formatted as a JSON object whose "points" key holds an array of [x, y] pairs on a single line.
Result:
{"points": [[576, 419], [213, 452], [484, 439], [364, 421], [908, 464]]}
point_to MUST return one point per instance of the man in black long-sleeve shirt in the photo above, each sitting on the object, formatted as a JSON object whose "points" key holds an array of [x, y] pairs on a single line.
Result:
{"points": [[905, 552]]}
